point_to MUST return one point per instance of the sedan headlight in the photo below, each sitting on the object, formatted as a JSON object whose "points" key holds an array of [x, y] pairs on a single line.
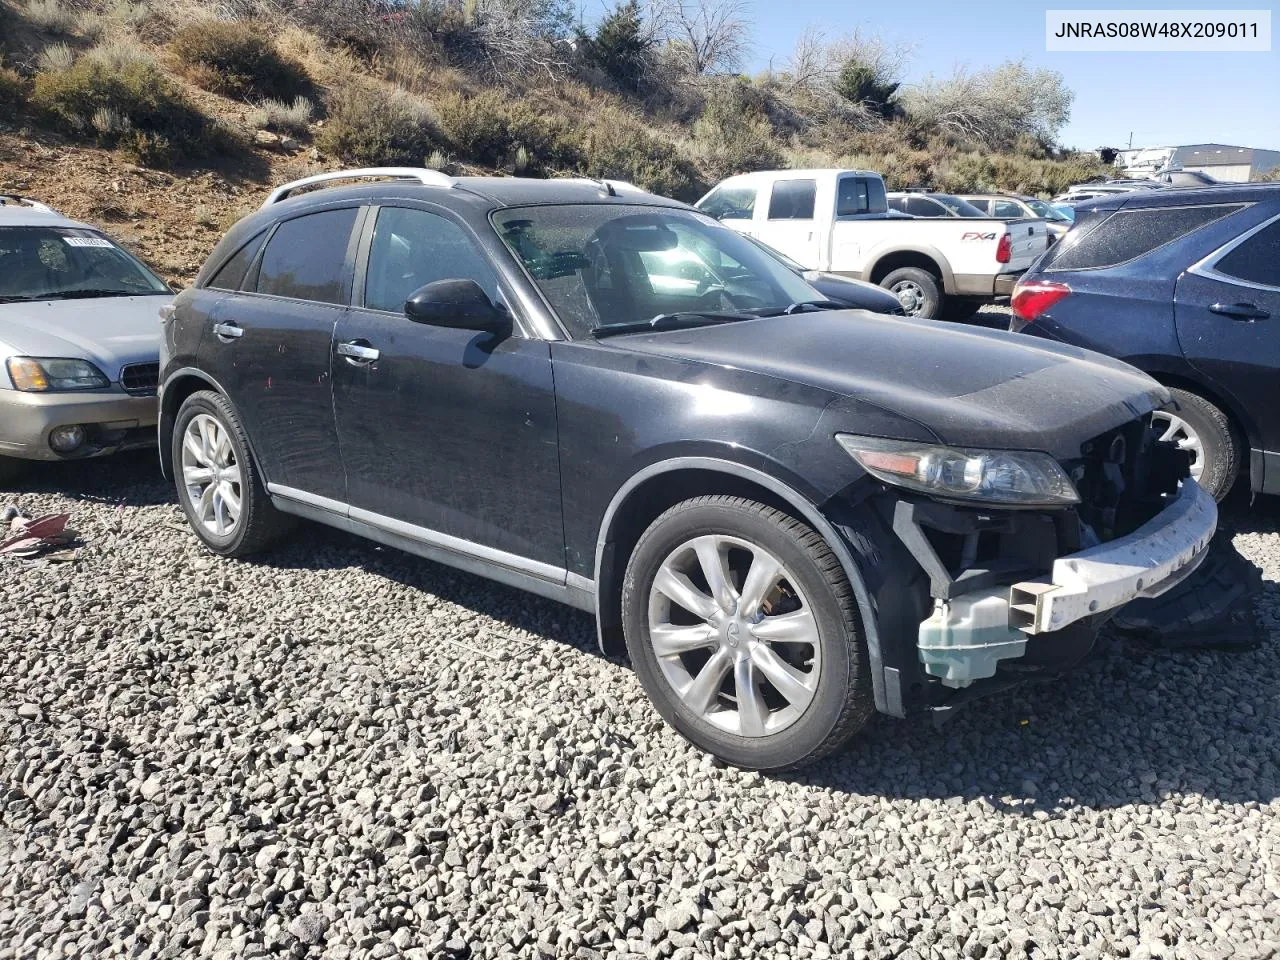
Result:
{"points": [[1013, 477], [44, 374]]}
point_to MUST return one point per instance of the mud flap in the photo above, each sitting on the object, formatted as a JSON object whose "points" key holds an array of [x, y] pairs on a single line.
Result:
{"points": [[1214, 607]]}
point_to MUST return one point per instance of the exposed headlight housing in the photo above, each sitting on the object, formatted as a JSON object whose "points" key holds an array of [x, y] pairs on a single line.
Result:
{"points": [[46, 374], [1010, 477]]}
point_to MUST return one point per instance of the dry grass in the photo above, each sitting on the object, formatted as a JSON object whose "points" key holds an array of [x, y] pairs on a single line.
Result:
{"points": [[53, 16], [56, 56], [294, 118]]}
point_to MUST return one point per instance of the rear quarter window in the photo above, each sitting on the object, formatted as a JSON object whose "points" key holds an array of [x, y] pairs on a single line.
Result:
{"points": [[1129, 234], [1257, 260], [231, 274]]}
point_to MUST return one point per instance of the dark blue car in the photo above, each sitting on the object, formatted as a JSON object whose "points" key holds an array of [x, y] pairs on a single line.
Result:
{"points": [[1184, 284]]}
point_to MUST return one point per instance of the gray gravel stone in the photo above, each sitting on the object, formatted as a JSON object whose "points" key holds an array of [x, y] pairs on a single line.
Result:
{"points": [[295, 757]]}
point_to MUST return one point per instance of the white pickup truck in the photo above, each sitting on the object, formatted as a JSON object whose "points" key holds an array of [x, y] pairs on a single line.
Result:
{"points": [[838, 221]]}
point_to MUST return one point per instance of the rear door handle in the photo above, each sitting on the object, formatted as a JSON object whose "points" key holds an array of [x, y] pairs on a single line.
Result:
{"points": [[1239, 311], [228, 331], [358, 352]]}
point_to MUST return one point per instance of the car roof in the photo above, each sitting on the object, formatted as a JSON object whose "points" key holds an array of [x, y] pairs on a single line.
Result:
{"points": [[484, 192], [1188, 196]]}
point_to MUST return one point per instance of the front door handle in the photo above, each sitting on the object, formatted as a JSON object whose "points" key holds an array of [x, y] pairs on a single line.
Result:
{"points": [[1240, 311], [358, 352], [228, 331]]}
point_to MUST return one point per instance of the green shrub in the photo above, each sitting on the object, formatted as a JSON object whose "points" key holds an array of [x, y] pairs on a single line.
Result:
{"points": [[733, 135], [135, 105], [491, 129], [629, 152], [13, 92], [368, 126], [237, 60]]}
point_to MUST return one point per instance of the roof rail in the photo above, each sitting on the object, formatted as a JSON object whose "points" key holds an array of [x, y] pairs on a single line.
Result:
{"points": [[428, 178], [7, 199], [611, 187]]}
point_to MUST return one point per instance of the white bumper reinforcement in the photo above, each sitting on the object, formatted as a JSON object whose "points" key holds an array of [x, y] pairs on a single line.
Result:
{"points": [[1145, 563]]}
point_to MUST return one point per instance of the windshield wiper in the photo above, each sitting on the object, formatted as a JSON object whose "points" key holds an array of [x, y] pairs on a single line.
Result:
{"points": [[803, 306], [670, 321], [91, 292], [14, 298]]}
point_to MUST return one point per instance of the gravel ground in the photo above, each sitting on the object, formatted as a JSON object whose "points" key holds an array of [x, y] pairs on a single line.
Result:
{"points": [[341, 751]]}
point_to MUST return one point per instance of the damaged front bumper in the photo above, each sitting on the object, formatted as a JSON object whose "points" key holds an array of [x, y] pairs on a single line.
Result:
{"points": [[968, 634]]}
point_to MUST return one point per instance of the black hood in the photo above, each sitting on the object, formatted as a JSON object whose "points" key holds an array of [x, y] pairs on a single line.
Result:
{"points": [[970, 387]]}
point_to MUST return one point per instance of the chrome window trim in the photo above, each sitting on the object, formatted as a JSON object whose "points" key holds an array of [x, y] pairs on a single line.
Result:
{"points": [[1206, 267]]}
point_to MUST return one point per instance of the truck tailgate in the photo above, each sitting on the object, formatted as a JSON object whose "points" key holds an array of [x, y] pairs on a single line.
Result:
{"points": [[1030, 239]]}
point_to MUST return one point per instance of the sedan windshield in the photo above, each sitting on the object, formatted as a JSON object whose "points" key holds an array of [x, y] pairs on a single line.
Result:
{"points": [[62, 263], [624, 266]]}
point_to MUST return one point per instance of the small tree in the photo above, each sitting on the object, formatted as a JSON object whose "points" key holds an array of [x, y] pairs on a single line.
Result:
{"points": [[621, 46], [860, 83], [991, 108], [706, 36]]}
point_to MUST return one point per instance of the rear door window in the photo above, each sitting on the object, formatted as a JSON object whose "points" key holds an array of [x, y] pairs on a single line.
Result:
{"points": [[1257, 260], [1129, 234], [306, 257], [792, 200], [925, 207]]}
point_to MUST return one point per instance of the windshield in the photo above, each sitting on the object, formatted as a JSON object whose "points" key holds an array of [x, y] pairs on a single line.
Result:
{"points": [[54, 263], [616, 265], [961, 208], [1042, 209]]}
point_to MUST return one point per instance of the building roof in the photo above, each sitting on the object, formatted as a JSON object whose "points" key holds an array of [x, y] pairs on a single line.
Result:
{"points": [[1222, 154]]}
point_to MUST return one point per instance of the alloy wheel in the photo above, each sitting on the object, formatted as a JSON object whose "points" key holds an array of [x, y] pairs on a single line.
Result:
{"points": [[1174, 428], [210, 475], [734, 636]]}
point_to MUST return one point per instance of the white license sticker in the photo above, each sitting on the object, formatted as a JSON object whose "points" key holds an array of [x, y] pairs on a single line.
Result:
{"points": [[87, 242]]}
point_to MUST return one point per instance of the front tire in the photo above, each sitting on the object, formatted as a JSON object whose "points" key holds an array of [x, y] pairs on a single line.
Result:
{"points": [[1201, 428], [917, 290], [724, 595], [218, 482]]}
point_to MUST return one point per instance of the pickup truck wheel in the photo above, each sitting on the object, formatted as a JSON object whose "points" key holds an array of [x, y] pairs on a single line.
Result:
{"points": [[1201, 428], [917, 290], [218, 483], [743, 629]]}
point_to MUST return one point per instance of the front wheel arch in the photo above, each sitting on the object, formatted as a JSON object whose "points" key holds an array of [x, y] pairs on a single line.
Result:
{"points": [[662, 485]]}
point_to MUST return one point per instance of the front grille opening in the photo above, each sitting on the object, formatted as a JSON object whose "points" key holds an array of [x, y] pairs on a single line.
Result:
{"points": [[140, 378], [1125, 477]]}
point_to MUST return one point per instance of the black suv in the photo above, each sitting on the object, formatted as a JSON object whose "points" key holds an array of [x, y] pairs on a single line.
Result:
{"points": [[788, 515], [1184, 284]]}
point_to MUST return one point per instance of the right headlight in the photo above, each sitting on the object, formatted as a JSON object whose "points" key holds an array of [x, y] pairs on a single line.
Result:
{"points": [[1011, 477], [48, 374]]}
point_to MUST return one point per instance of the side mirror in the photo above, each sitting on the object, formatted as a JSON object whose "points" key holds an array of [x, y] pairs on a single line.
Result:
{"points": [[461, 304]]}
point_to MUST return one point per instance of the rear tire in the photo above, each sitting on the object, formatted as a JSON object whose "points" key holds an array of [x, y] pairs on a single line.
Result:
{"points": [[218, 482], [1202, 428], [917, 290], [799, 650]]}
